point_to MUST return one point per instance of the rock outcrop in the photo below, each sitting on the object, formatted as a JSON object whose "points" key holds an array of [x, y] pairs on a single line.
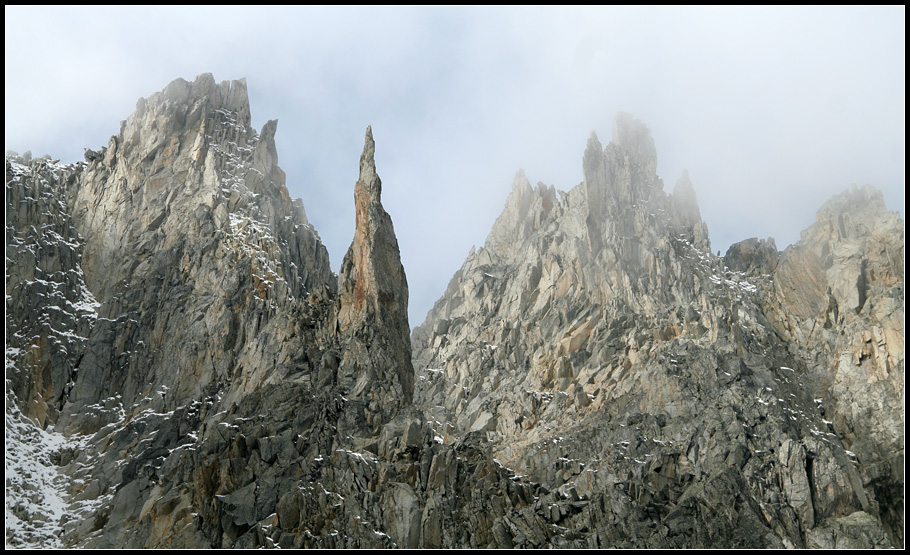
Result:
{"points": [[838, 300], [753, 256], [219, 386], [690, 400], [194, 250], [193, 278], [184, 370], [49, 308], [372, 304]]}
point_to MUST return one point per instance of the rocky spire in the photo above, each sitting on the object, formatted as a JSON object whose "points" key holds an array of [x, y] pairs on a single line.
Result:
{"points": [[373, 300], [621, 187], [510, 224], [684, 201], [634, 137], [686, 215]]}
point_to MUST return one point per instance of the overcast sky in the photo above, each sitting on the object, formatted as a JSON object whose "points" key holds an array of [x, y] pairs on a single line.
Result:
{"points": [[771, 110]]}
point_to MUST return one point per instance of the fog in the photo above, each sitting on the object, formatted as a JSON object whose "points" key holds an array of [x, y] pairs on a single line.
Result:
{"points": [[771, 110]]}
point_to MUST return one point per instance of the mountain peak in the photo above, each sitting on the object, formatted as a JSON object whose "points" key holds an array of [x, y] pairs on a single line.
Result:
{"points": [[368, 177], [203, 95], [372, 306], [602, 330], [686, 215], [634, 137]]}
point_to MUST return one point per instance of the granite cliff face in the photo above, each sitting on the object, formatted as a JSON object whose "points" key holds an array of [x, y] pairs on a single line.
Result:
{"points": [[184, 369]]}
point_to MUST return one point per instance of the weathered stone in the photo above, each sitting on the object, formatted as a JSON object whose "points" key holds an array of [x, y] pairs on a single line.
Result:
{"points": [[612, 296], [372, 303], [592, 377], [753, 256]]}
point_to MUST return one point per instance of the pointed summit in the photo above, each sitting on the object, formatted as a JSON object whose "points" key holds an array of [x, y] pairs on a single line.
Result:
{"points": [[372, 304], [633, 137], [593, 140], [373, 228], [521, 183], [592, 161], [509, 225], [686, 215], [368, 176], [685, 201]]}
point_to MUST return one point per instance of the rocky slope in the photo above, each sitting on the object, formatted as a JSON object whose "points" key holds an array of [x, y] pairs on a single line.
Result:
{"points": [[693, 400], [185, 370]]}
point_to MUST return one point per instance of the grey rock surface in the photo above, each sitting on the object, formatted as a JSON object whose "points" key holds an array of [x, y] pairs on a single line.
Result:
{"points": [[599, 345], [184, 370], [372, 306]]}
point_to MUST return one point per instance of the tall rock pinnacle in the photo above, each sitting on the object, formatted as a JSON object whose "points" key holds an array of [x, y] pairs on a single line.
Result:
{"points": [[685, 214], [373, 300]]}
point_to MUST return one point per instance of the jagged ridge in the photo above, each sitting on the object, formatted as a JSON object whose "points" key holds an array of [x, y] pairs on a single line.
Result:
{"points": [[593, 376], [598, 344]]}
